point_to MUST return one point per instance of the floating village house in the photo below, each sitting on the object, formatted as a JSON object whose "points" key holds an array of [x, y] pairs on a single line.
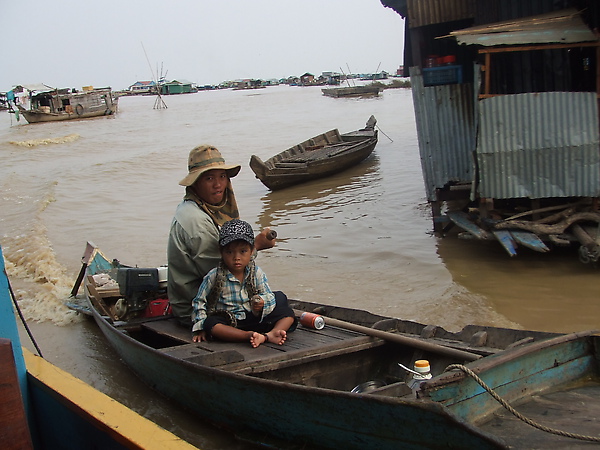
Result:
{"points": [[142, 87], [505, 94], [177, 87], [307, 78]]}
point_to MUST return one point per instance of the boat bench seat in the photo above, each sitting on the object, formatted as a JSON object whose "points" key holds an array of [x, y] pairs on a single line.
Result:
{"points": [[302, 345], [289, 165]]}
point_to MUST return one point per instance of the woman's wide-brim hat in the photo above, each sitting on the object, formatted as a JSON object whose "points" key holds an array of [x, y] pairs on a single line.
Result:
{"points": [[204, 158]]}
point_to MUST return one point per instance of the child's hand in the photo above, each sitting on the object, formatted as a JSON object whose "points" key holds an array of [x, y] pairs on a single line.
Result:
{"points": [[257, 304], [199, 337]]}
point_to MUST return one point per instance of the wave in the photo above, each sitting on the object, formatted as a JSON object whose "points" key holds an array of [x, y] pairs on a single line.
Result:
{"points": [[40, 283], [36, 142]]}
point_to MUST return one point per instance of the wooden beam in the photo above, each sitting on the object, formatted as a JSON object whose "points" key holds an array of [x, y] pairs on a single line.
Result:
{"points": [[418, 343], [526, 48]]}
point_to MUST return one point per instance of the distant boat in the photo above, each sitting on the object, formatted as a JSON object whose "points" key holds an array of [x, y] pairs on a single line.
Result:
{"points": [[318, 157], [51, 105], [352, 91]]}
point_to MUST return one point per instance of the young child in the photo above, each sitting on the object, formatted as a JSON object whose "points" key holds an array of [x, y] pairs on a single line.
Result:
{"points": [[234, 302]]}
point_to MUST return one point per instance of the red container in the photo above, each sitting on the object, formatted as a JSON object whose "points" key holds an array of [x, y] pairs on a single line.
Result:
{"points": [[310, 320], [158, 307], [448, 60]]}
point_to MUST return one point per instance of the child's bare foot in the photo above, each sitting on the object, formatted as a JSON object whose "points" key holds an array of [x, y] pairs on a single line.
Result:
{"points": [[257, 338], [277, 336]]}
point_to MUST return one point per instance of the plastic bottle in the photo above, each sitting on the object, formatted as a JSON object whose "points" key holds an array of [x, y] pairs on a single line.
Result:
{"points": [[421, 372]]}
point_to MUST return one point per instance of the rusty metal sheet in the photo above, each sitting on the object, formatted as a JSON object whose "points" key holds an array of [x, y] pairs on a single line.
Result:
{"points": [[428, 12], [565, 26], [446, 129], [539, 145]]}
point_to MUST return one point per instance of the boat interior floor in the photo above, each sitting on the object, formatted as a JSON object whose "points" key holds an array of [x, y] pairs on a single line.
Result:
{"points": [[318, 153], [575, 410], [301, 344]]}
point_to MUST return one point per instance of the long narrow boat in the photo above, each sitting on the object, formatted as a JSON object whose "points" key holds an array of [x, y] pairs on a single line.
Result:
{"points": [[348, 384], [318, 157], [52, 105], [352, 91]]}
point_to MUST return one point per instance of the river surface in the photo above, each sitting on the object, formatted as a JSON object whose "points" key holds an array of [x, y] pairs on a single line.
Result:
{"points": [[362, 238]]}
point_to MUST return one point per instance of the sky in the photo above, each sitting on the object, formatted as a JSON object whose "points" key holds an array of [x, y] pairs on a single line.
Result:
{"points": [[74, 43]]}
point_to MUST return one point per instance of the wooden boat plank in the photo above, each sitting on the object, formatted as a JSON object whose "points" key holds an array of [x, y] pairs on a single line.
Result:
{"points": [[304, 347], [484, 365], [528, 373], [529, 240], [169, 328], [506, 240], [476, 405], [302, 343], [12, 414], [462, 219]]}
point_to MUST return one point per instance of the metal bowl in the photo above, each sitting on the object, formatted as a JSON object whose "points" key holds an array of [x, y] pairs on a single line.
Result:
{"points": [[368, 386]]}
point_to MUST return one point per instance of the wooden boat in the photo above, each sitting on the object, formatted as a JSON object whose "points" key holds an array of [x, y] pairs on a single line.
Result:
{"points": [[44, 407], [65, 104], [352, 91], [343, 386], [318, 157]]}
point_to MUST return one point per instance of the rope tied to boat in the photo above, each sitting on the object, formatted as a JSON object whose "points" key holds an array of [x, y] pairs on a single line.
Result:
{"points": [[516, 413]]}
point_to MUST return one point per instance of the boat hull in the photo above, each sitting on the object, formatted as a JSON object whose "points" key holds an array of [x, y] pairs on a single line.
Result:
{"points": [[57, 105], [299, 165], [309, 392], [302, 415], [40, 116], [352, 91]]}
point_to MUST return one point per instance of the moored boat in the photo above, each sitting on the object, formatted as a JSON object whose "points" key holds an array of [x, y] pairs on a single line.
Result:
{"points": [[46, 104], [322, 155], [352, 91], [349, 385]]}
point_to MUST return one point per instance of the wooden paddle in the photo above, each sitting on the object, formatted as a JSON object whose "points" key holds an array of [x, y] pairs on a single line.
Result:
{"points": [[421, 344]]}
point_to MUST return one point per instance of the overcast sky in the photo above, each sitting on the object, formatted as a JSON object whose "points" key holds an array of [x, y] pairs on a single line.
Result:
{"points": [[74, 43]]}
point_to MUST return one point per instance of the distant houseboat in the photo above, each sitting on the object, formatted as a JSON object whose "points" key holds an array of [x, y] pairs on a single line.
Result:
{"points": [[50, 104]]}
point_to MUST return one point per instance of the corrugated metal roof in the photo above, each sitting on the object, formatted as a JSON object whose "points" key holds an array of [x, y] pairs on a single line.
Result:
{"points": [[446, 129], [539, 145], [428, 12], [565, 26]]}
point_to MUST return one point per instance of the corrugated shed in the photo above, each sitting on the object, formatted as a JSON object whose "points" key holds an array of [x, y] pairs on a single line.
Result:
{"points": [[489, 11], [446, 129], [429, 12], [539, 145]]}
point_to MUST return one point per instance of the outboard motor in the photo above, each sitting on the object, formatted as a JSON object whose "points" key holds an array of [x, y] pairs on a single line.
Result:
{"points": [[137, 286]]}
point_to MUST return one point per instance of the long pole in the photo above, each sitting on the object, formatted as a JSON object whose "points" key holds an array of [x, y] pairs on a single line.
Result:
{"points": [[404, 340], [160, 103]]}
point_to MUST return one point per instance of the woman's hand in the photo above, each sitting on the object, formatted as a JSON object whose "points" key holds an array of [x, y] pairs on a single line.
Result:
{"points": [[265, 239]]}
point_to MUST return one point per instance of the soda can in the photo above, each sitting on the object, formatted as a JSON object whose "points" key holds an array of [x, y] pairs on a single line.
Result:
{"points": [[311, 320]]}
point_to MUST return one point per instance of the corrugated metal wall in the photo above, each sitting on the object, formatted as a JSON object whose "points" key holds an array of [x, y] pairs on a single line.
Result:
{"points": [[539, 145], [490, 11], [429, 12], [446, 128]]}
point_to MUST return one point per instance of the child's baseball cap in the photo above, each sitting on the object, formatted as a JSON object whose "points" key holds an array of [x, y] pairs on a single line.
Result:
{"points": [[235, 230]]}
